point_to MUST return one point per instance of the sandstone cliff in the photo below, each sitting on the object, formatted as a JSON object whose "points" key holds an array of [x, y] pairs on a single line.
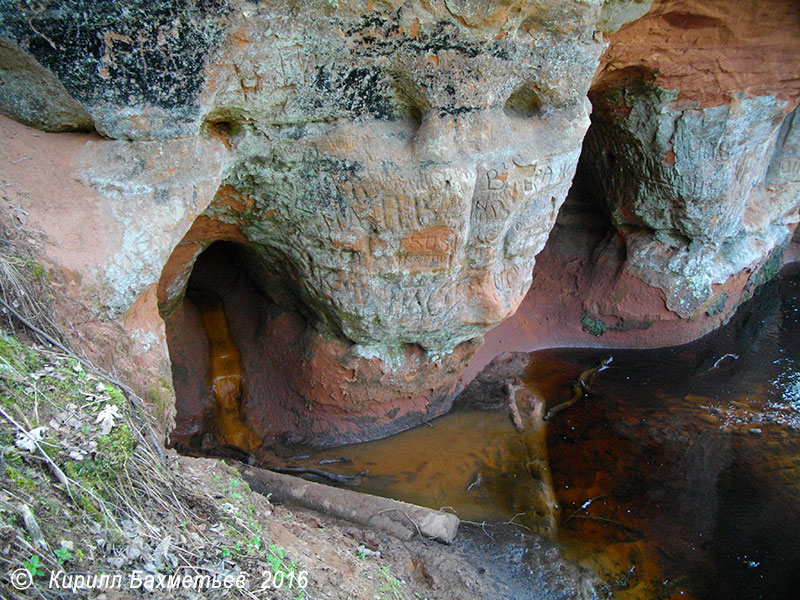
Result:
{"points": [[379, 180]]}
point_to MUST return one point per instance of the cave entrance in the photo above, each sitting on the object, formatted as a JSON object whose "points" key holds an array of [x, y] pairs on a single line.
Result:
{"points": [[234, 354]]}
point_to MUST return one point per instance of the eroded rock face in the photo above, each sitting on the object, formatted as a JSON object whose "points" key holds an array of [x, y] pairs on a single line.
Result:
{"points": [[402, 169], [388, 173], [692, 146]]}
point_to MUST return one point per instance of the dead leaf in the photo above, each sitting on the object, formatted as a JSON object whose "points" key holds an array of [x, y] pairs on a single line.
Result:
{"points": [[160, 555], [107, 418], [77, 455], [28, 440]]}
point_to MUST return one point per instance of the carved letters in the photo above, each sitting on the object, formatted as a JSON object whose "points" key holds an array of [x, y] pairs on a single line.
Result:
{"points": [[432, 241], [429, 248], [789, 168]]}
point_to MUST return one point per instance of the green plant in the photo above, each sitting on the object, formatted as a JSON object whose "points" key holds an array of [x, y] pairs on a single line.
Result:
{"points": [[592, 324], [34, 566], [63, 554], [390, 585], [275, 557], [254, 543]]}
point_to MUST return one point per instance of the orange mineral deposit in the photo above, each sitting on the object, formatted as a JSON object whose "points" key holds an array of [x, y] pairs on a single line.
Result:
{"points": [[225, 371]]}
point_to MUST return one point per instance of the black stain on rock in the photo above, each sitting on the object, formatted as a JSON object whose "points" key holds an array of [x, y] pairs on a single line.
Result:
{"points": [[124, 53], [358, 90]]}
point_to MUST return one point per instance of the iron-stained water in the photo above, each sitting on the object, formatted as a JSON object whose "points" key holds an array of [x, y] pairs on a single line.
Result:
{"points": [[677, 477]]}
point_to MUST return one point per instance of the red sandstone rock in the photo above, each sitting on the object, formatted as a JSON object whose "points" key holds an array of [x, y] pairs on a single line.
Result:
{"points": [[386, 178]]}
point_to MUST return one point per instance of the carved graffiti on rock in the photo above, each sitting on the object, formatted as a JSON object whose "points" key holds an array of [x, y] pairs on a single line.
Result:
{"points": [[789, 168], [496, 179], [429, 248]]}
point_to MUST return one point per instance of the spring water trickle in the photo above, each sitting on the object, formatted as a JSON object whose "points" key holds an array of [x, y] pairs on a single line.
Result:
{"points": [[225, 371]]}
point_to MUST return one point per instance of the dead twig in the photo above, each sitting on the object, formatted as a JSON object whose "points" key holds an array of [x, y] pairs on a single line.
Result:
{"points": [[622, 526], [483, 524], [583, 506]]}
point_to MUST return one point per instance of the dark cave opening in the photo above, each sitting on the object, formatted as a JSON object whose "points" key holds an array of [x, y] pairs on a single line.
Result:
{"points": [[584, 230], [253, 336]]}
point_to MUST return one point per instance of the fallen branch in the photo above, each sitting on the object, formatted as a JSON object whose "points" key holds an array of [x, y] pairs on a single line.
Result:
{"points": [[511, 393], [399, 519], [581, 388], [341, 479], [722, 358]]}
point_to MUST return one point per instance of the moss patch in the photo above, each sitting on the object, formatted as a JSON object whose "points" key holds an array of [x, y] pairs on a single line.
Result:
{"points": [[593, 324]]}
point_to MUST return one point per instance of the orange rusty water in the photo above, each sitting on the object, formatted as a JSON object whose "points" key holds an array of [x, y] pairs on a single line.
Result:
{"points": [[678, 476], [225, 371]]}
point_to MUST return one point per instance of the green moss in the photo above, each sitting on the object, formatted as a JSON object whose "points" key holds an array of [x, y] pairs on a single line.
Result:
{"points": [[160, 397], [717, 305], [768, 271], [20, 357], [593, 324], [20, 479], [116, 446]]}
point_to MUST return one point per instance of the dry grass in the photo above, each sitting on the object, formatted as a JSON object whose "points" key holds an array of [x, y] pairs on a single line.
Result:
{"points": [[24, 291], [83, 485]]}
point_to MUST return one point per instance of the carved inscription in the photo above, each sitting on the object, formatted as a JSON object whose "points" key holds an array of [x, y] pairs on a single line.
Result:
{"points": [[496, 179], [505, 190], [444, 300], [530, 228], [429, 248], [507, 279], [789, 168], [490, 209], [388, 203], [541, 178], [432, 241]]}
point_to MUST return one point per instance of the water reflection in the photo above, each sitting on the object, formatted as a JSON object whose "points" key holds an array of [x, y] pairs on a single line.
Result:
{"points": [[678, 476]]}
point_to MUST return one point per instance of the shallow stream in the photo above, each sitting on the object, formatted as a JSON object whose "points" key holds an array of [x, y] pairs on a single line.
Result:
{"points": [[676, 476]]}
